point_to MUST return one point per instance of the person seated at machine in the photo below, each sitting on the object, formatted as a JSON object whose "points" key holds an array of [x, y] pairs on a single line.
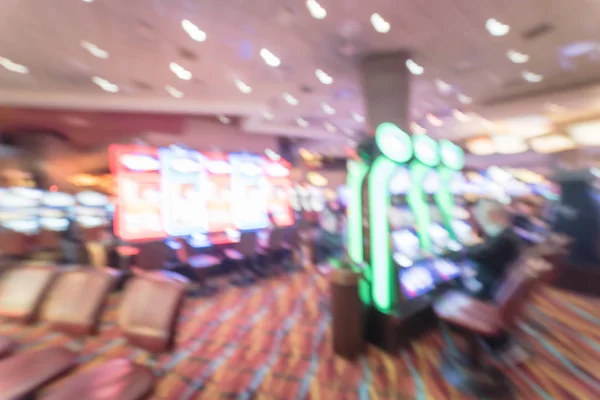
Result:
{"points": [[330, 242], [491, 259], [72, 243]]}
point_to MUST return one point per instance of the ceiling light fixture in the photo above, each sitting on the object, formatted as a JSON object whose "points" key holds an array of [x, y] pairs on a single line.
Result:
{"points": [[105, 85], [443, 86], [88, 1], [505, 144], [480, 146], [268, 115], [358, 118], [348, 131], [417, 129], [414, 68], [174, 92], [302, 122], [224, 120], [269, 58], [242, 86], [315, 9], [291, 100], [496, 28], [459, 115], [327, 109], [552, 143], [517, 57], [380, 24], [532, 77], [191, 29], [13, 66], [435, 121], [330, 127], [323, 77], [180, 72], [463, 98], [94, 50]]}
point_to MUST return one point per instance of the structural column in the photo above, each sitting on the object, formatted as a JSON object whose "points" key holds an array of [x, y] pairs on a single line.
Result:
{"points": [[386, 89]]}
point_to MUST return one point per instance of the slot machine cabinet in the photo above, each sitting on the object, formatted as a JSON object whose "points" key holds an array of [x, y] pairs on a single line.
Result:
{"points": [[136, 171], [280, 191], [55, 208], [91, 213], [249, 190], [221, 226]]}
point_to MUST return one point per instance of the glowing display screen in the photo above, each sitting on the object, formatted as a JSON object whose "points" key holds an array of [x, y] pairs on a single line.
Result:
{"points": [[445, 269], [250, 192], [416, 281]]}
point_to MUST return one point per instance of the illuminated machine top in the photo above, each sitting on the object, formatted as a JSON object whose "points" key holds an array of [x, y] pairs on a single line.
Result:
{"points": [[426, 150], [400, 182], [393, 142], [452, 156]]}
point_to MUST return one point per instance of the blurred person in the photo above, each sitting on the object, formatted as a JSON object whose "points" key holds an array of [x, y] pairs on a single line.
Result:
{"points": [[492, 259], [332, 227], [72, 243]]}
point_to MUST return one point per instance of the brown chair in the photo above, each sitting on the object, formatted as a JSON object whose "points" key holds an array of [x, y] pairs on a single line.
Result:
{"points": [[475, 318], [147, 318], [22, 290], [7, 347], [14, 245], [274, 250], [198, 264], [244, 255], [48, 245]]}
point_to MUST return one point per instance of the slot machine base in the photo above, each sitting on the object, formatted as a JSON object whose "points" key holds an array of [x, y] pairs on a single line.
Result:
{"points": [[392, 332]]}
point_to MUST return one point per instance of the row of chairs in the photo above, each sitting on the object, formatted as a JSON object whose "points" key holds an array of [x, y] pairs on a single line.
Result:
{"points": [[474, 318], [71, 301]]}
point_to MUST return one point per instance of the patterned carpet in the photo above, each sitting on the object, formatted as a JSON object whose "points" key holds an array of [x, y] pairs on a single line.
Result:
{"points": [[273, 341]]}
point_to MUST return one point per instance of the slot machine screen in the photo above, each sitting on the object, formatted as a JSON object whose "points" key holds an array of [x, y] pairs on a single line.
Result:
{"points": [[439, 236], [406, 247], [446, 269], [416, 281], [250, 192], [463, 231]]}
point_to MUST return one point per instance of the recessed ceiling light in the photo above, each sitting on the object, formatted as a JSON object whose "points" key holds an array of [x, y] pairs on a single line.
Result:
{"points": [[174, 92], [358, 118], [315, 9], [462, 117], [291, 100], [180, 72], [105, 85], [302, 122], [517, 57], [463, 98], [532, 77], [555, 108], [242, 86], [225, 120], [380, 24], [348, 131], [88, 1], [443, 86], [496, 28], [327, 109], [13, 66], [268, 115], [270, 59], [94, 50], [330, 127], [414, 68], [417, 129], [435, 121], [191, 29], [323, 77]]}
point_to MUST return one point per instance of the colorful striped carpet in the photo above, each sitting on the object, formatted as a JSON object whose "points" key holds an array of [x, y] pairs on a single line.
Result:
{"points": [[273, 341]]}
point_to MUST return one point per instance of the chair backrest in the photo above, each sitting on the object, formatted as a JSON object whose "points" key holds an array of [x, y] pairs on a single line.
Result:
{"points": [[518, 285], [276, 239], [13, 244], [182, 252], [247, 244], [76, 300], [97, 255], [149, 311], [292, 236], [22, 290]]}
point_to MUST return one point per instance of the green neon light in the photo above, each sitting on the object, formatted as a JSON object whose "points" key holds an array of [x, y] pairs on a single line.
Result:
{"points": [[444, 199], [426, 150], [384, 284], [393, 142], [417, 200], [357, 171], [452, 155]]}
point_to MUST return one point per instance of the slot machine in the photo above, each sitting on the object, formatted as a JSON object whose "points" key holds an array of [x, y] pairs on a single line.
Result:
{"points": [[138, 214], [55, 209], [19, 210], [91, 210], [183, 185], [440, 237], [219, 205], [280, 189], [249, 192]]}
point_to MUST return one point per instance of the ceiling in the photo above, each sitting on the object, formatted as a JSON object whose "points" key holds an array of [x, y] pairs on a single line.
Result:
{"points": [[136, 40]]}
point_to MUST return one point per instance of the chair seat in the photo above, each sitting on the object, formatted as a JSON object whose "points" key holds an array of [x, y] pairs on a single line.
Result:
{"points": [[464, 311], [203, 261], [24, 373], [118, 379], [168, 276], [233, 254], [7, 346]]}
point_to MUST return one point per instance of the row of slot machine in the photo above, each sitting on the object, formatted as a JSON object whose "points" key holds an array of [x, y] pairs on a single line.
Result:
{"points": [[207, 197], [407, 209], [28, 210]]}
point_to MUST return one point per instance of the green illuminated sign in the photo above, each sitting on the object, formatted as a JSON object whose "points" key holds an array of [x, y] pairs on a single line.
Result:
{"points": [[393, 142], [452, 155], [426, 150]]}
